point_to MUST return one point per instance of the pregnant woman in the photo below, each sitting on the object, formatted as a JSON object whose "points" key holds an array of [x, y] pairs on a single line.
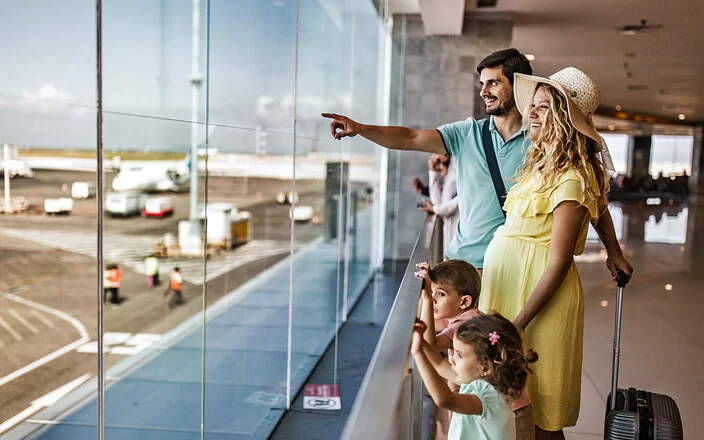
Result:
{"points": [[529, 271]]}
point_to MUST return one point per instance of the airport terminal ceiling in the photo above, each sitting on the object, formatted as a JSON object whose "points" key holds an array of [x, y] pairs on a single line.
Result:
{"points": [[650, 70], [655, 69]]}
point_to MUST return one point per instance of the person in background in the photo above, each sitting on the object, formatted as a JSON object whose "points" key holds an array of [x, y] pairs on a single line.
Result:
{"points": [[114, 279], [442, 190], [174, 291], [106, 283], [151, 268]]}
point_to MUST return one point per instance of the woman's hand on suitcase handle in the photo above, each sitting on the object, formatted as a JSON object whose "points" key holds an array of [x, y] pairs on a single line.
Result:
{"points": [[618, 263], [622, 279]]}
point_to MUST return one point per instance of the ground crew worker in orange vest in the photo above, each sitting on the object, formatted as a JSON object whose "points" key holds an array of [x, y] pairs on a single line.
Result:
{"points": [[175, 283], [114, 277]]}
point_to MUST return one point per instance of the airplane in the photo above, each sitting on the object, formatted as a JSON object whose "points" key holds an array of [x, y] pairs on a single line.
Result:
{"points": [[146, 177]]}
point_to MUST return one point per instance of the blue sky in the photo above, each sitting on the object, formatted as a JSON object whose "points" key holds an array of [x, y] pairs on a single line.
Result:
{"points": [[47, 85]]}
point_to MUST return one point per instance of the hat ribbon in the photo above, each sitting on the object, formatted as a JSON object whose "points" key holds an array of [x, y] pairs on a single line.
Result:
{"points": [[606, 156]]}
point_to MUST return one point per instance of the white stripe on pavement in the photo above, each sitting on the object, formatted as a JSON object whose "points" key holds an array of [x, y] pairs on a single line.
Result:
{"points": [[53, 355], [43, 319], [15, 314], [10, 330], [130, 250]]}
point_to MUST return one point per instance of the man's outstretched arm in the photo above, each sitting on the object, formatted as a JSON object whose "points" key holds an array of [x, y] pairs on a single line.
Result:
{"points": [[395, 138]]}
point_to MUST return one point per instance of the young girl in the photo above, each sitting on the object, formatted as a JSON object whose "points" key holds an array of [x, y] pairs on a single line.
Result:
{"points": [[490, 364]]}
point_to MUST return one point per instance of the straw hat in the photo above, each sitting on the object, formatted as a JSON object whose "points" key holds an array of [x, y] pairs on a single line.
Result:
{"points": [[583, 98]]}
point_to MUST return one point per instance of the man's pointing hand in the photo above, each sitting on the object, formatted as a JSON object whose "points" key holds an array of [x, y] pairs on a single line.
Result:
{"points": [[342, 126]]}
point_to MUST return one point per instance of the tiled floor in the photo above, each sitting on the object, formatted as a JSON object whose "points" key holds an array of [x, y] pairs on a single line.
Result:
{"points": [[662, 349]]}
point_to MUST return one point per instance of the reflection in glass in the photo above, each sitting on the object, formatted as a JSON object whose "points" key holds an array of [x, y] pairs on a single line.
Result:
{"points": [[671, 155]]}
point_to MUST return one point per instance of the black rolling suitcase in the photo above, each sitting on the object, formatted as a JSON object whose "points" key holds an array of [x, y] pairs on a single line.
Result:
{"points": [[637, 414]]}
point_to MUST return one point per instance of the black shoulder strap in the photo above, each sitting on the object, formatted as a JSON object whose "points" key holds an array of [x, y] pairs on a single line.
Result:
{"points": [[493, 165]]}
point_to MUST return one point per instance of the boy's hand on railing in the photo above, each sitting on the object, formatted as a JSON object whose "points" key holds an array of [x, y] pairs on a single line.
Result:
{"points": [[417, 338], [423, 265], [423, 274]]}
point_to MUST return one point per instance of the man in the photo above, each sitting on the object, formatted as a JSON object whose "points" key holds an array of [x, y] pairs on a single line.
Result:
{"points": [[175, 285], [480, 212], [151, 268], [114, 277]]}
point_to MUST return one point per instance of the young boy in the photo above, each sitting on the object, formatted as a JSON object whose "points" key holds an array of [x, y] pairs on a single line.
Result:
{"points": [[449, 297]]}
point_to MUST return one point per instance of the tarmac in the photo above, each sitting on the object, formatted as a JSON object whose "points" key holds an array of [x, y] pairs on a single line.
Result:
{"points": [[61, 279]]}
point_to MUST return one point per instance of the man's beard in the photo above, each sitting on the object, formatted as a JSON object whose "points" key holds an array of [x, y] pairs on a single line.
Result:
{"points": [[504, 109]]}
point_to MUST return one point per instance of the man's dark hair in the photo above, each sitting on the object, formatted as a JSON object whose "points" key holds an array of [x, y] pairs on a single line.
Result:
{"points": [[510, 60]]}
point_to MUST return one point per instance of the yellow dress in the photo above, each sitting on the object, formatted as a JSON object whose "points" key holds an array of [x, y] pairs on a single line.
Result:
{"points": [[513, 264]]}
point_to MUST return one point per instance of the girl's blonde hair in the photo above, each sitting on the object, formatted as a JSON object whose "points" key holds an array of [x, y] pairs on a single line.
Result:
{"points": [[560, 147]]}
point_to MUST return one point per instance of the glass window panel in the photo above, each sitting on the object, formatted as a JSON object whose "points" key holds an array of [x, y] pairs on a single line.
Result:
{"points": [[47, 120]]}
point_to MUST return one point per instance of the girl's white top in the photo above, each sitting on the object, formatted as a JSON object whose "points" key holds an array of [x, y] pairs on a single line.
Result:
{"points": [[496, 422]]}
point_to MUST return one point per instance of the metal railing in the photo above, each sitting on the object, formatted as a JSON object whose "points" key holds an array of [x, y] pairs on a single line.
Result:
{"points": [[389, 404]]}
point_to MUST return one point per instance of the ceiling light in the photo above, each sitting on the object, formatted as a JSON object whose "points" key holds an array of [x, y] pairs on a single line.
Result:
{"points": [[668, 286], [628, 32], [681, 117], [619, 108], [530, 57], [612, 127], [604, 304]]}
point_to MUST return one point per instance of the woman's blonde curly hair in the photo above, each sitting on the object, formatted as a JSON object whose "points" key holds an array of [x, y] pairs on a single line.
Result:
{"points": [[560, 147]]}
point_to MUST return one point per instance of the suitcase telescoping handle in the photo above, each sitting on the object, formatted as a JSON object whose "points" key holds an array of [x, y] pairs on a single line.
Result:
{"points": [[621, 281]]}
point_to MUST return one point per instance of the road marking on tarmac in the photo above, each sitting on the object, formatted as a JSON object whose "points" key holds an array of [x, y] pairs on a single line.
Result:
{"points": [[129, 250], [15, 314], [43, 319], [55, 354], [124, 344], [45, 401], [10, 330]]}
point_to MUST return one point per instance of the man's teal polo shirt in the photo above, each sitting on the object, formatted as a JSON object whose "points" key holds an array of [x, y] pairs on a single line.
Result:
{"points": [[480, 213]]}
